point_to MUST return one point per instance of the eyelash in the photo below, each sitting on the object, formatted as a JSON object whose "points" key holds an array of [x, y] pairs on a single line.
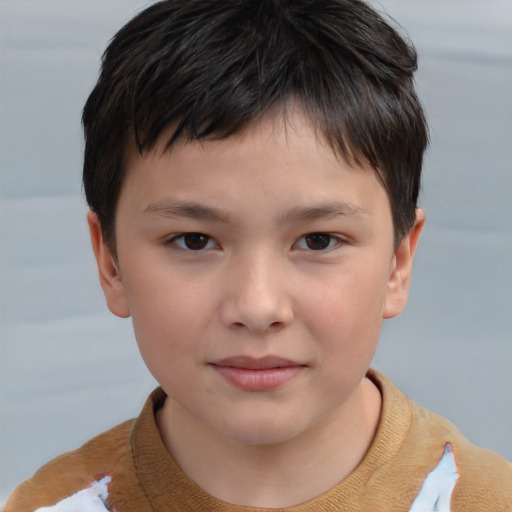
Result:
{"points": [[180, 241], [333, 241]]}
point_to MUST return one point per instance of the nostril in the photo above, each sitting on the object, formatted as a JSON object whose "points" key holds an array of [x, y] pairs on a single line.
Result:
{"points": [[274, 326], [256, 315]]}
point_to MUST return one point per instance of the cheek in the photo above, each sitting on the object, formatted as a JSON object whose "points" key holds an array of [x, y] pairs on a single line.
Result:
{"points": [[347, 308], [168, 318]]}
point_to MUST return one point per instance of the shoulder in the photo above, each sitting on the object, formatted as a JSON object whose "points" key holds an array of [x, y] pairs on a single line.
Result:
{"points": [[104, 455], [485, 478], [431, 457]]}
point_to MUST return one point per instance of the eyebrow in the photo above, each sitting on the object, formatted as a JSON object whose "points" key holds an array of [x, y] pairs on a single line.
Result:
{"points": [[199, 211], [325, 211], [187, 209]]}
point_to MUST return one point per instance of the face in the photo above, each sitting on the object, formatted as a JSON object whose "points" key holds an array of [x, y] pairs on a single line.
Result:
{"points": [[257, 271]]}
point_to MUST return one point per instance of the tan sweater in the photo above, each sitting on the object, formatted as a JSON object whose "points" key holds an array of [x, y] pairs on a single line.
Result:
{"points": [[409, 444]]}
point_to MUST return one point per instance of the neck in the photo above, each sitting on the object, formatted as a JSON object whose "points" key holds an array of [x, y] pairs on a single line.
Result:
{"points": [[278, 475]]}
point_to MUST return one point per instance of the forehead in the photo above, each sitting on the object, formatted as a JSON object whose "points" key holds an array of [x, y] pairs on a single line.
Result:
{"points": [[285, 121], [281, 156]]}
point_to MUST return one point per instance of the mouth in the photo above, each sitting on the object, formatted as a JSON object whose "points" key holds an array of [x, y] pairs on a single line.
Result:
{"points": [[257, 374]]}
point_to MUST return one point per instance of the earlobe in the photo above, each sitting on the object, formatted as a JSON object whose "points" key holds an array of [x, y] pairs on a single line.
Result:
{"points": [[110, 277], [400, 276]]}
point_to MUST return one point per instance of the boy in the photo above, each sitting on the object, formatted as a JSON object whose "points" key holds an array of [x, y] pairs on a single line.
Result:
{"points": [[252, 169]]}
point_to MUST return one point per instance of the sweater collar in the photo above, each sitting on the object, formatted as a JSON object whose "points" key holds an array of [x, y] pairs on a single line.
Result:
{"points": [[168, 488]]}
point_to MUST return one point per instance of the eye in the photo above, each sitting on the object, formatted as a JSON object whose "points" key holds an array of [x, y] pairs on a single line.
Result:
{"points": [[318, 241], [193, 241]]}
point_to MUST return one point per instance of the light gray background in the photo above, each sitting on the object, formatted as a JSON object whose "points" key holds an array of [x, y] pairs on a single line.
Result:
{"points": [[70, 370]]}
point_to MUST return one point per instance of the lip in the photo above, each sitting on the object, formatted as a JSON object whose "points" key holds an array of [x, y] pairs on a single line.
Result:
{"points": [[257, 374]]}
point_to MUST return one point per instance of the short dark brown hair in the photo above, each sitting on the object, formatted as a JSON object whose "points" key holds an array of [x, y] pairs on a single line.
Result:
{"points": [[210, 67]]}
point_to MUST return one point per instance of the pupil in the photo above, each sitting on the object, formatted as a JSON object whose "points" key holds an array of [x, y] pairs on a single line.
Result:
{"points": [[196, 241], [318, 241]]}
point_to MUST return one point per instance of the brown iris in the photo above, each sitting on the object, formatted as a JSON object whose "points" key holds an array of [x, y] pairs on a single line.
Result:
{"points": [[318, 241], [195, 241]]}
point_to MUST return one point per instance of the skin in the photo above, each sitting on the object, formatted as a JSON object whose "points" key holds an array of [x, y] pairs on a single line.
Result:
{"points": [[257, 285]]}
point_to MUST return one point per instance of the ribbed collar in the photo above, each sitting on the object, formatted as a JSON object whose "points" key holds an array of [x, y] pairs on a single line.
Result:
{"points": [[168, 488]]}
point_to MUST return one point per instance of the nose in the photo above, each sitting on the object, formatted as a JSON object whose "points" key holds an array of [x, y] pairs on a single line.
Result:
{"points": [[257, 297]]}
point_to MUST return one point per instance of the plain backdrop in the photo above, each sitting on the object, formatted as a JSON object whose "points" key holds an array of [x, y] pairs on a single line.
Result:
{"points": [[68, 369]]}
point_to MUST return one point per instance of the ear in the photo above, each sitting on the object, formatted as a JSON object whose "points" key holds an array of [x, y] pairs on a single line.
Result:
{"points": [[110, 278], [400, 277]]}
